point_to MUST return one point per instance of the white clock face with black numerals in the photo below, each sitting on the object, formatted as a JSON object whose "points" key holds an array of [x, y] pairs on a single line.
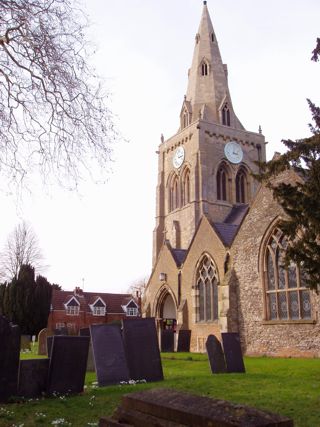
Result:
{"points": [[233, 152], [178, 157]]}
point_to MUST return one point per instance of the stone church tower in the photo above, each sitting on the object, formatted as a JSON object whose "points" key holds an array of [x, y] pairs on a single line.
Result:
{"points": [[205, 168], [218, 244]]}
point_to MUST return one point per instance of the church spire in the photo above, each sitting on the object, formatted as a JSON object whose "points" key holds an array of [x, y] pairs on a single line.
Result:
{"points": [[208, 94]]}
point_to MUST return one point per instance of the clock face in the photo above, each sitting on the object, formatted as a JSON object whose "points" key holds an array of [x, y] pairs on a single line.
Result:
{"points": [[178, 157], [233, 152]]}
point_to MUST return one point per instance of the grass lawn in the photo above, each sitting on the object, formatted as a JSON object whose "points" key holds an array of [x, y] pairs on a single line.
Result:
{"points": [[290, 387]]}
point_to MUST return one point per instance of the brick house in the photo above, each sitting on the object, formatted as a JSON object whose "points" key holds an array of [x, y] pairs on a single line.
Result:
{"points": [[77, 309]]}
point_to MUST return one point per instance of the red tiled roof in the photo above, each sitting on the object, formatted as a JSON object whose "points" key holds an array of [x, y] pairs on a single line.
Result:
{"points": [[113, 301]]}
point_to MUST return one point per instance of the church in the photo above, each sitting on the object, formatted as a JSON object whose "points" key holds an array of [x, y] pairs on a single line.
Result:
{"points": [[217, 245]]}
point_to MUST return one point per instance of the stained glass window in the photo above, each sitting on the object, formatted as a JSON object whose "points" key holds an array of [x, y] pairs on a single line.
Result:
{"points": [[207, 291]]}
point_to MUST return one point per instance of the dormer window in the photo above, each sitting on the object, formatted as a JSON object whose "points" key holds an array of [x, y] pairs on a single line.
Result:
{"points": [[72, 307], [131, 308], [98, 308], [226, 115]]}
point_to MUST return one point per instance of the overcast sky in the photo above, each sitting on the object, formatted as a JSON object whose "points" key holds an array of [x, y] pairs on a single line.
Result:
{"points": [[101, 237]]}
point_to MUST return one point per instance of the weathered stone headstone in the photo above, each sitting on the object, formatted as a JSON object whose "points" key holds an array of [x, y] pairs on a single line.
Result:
{"points": [[109, 355], [33, 376], [168, 407], [85, 332], [67, 366], [215, 355], [25, 342], [167, 340], [184, 337], [9, 359], [42, 341], [142, 349], [232, 352]]}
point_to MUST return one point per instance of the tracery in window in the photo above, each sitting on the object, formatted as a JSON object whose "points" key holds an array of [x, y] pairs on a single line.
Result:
{"points": [[225, 115], [185, 188], [204, 68], [241, 186], [174, 194], [222, 183], [287, 297], [206, 290]]}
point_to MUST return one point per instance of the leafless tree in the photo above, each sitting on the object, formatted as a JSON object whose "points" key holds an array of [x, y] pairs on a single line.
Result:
{"points": [[22, 247], [54, 117]]}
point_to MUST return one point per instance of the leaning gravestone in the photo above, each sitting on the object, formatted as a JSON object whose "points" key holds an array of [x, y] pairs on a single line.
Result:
{"points": [[232, 352], [109, 355], [67, 366], [9, 359], [184, 337], [85, 332], [33, 375], [167, 340], [215, 355], [142, 349], [25, 342], [42, 341]]}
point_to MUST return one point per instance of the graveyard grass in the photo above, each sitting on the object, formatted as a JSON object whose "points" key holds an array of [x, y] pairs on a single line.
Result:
{"points": [[290, 387]]}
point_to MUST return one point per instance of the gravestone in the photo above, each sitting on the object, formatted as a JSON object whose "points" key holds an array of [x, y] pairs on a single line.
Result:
{"points": [[67, 365], [215, 355], [142, 349], [232, 352], [85, 332], [49, 344], [42, 341], [33, 374], [25, 342], [9, 359], [109, 355], [184, 337], [167, 340]]}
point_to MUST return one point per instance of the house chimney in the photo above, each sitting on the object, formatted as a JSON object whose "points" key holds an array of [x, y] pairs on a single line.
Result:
{"points": [[78, 291]]}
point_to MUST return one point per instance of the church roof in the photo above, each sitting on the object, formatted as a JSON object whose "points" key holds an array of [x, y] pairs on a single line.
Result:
{"points": [[228, 229], [179, 255]]}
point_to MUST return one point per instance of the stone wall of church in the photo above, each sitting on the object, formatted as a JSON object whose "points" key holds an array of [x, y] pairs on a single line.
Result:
{"points": [[258, 335]]}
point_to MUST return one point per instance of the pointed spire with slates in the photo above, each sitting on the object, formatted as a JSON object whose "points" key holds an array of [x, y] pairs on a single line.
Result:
{"points": [[208, 94]]}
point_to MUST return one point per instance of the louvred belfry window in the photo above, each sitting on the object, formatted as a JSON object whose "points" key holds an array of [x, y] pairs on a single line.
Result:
{"points": [[287, 297]]}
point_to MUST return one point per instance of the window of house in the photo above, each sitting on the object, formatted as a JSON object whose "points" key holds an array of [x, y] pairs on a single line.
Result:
{"points": [[132, 311], [98, 311], [73, 310], [225, 115], [287, 297], [206, 291], [241, 186], [222, 183], [186, 188]]}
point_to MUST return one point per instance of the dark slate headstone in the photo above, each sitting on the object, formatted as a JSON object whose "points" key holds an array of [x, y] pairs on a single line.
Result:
{"points": [[215, 355], [9, 359], [142, 349], [167, 340], [67, 366], [184, 337], [42, 341], [49, 345], [232, 352], [85, 332], [33, 376], [109, 355]]}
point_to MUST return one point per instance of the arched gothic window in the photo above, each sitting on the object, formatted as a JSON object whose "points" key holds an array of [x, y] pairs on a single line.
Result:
{"points": [[206, 291], [174, 194], [226, 115], [241, 186], [286, 295], [185, 199], [204, 69], [185, 119], [222, 182]]}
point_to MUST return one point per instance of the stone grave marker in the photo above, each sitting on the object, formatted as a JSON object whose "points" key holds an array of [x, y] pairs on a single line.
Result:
{"points": [[142, 349], [25, 342], [42, 341], [9, 359], [85, 332], [109, 355], [215, 355], [232, 352], [33, 374], [184, 337], [167, 340], [67, 365]]}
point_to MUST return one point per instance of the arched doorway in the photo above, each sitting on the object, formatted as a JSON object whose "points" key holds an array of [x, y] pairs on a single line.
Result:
{"points": [[169, 314]]}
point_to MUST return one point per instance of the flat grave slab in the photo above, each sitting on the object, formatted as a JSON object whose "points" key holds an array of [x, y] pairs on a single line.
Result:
{"points": [[184, 337], [232, 352], [67, 366], [33, 374], [142, 349], [109, 354], [9, 359], [215, 355]]}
